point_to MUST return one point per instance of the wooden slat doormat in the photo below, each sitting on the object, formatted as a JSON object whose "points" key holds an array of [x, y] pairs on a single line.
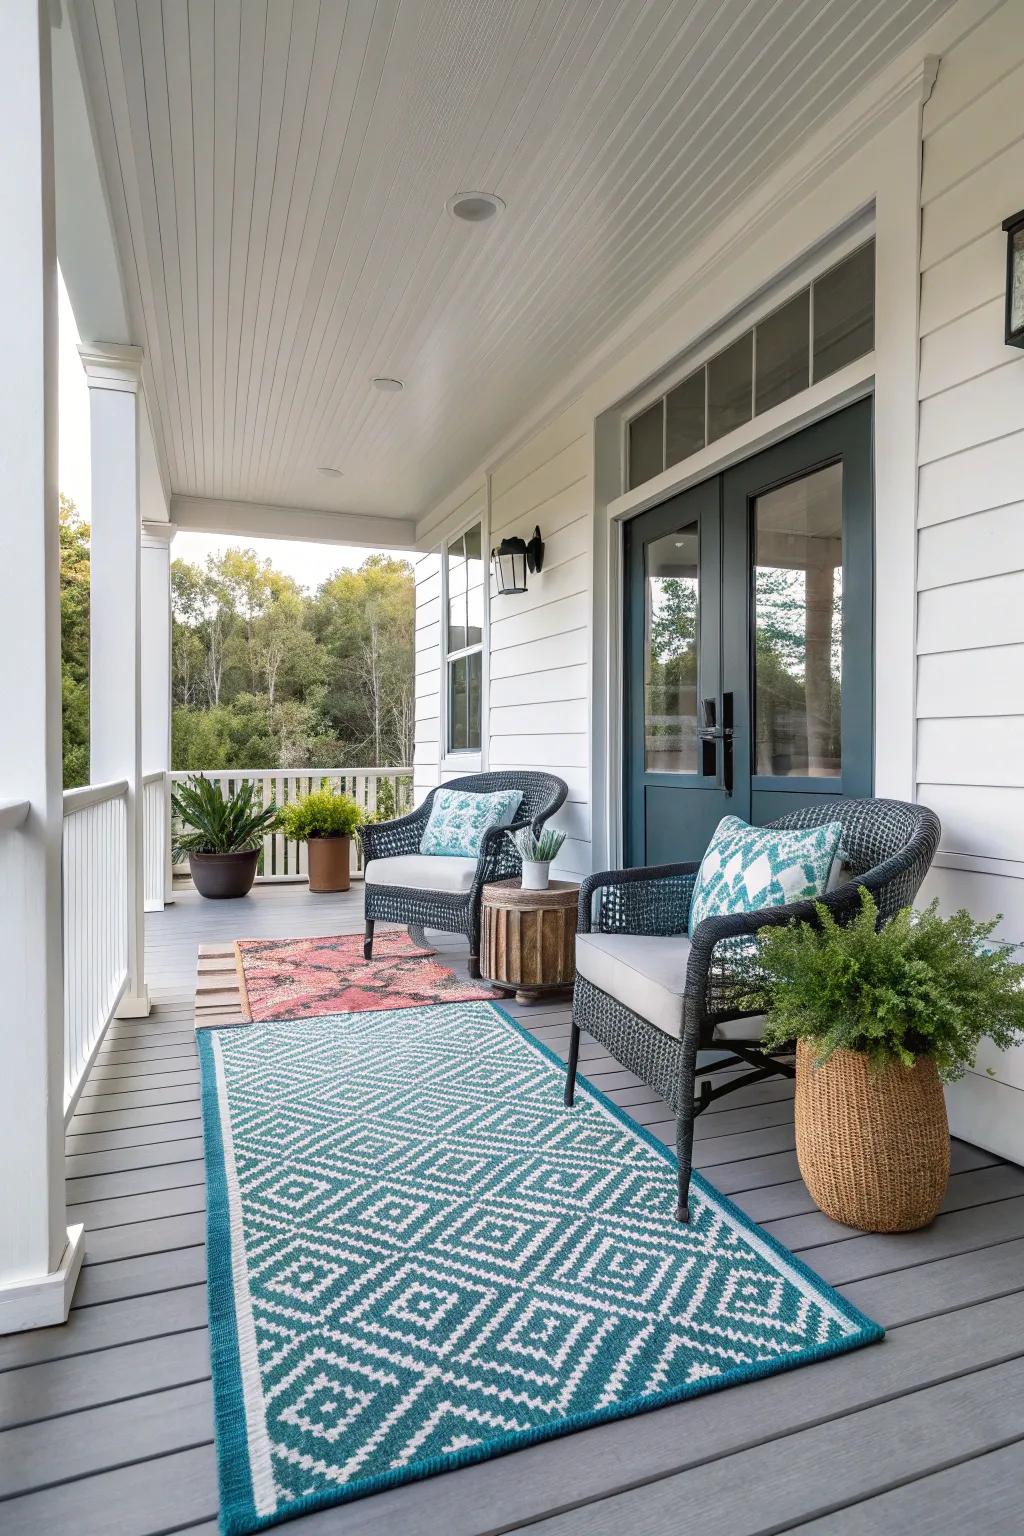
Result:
{"points": [[218, 991]]}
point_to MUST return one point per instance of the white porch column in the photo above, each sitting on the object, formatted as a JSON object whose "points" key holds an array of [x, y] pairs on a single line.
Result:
{"points": [[39, 1255], [115, 631], [156, 673]]}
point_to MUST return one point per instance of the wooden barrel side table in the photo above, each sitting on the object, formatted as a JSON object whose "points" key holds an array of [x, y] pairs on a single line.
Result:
{"points": [[528, 938]]}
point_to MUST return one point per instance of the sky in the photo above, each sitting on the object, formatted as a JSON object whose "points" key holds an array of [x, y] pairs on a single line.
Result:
{"points": [[309, 564]]}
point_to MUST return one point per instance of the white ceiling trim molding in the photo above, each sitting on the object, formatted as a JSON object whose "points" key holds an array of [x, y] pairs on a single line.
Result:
{"points": [[598, 384], [264, 520], [112, 365], [156, 535]]}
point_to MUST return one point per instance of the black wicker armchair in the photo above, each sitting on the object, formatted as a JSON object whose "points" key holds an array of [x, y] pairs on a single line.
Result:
{"points": [[632, 944], [453, 906]]}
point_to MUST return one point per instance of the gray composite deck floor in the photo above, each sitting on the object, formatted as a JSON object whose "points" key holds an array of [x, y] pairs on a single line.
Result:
{"points": [[106, 1424]]}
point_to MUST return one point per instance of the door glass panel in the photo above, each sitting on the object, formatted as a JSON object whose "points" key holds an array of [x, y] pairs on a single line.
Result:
{"points": [[729, 387], [798, 595], [844, 312], [647, 444], [670, 653], [783, 347]]}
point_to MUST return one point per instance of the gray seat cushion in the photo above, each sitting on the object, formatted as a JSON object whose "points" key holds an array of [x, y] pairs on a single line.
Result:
{"points": [[423, 872], [648, 975]]}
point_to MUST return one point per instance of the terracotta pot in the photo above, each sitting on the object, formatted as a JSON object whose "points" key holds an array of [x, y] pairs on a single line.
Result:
{"points": [[222, 875], [873, 1147], [329, 863]]}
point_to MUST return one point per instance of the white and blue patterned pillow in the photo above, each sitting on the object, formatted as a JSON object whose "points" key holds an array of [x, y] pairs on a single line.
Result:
{"points": [[746, 868], [458, 821]]}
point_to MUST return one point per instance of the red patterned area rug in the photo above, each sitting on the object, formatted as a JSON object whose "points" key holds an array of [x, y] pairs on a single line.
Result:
{"points": [[301, 978]]}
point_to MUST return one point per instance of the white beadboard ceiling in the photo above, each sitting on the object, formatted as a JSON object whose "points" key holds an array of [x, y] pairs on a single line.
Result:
{"points": [[277, 172]]}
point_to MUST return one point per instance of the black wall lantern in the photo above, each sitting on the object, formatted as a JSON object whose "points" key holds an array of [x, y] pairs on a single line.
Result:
{"points": [[512, 558], [1015, 280]]}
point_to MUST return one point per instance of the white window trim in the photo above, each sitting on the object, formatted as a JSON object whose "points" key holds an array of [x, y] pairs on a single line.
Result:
{"points": [[466, 761]]}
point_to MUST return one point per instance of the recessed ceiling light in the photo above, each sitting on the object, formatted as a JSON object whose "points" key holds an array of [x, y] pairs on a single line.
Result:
{"points": [[389, 386], [329, 471], [474, 207]]}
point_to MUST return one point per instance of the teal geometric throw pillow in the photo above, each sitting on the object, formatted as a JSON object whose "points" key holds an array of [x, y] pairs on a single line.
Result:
{"points": [[746, 868], [458, 821]]}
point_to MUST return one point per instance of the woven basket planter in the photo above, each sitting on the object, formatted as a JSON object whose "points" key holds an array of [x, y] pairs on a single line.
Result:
{"points": [[873, 1147]]}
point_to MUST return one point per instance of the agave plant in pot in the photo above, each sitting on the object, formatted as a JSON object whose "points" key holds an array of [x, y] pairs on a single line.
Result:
{"points": [[537, 853], [219, 834], [325, 821], [882, 1017]]}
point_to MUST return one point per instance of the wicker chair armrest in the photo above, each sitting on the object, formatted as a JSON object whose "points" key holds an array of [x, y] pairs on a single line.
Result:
{"points": [[722, 961], [388, 839], [655, 900], [499, 857]]}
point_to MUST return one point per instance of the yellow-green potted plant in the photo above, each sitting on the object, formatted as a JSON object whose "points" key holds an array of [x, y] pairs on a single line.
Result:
{"points": [[325, 821], [882, 1017]]}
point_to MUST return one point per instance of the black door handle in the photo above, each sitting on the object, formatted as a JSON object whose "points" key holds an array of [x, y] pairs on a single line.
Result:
{"points": [[712, 733], [727, 729]]}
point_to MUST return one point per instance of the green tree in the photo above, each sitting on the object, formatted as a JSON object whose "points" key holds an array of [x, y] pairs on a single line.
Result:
{"points": [[266, 675], [74, 642], [365, 621]]}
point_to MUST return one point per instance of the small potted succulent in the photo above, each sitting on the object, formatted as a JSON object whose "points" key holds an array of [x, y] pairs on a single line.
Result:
{"points": [[219, 834], [325, 822], [536, 854], [882, 1017]]}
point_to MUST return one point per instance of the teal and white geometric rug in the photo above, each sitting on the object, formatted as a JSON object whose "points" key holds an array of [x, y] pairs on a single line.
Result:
{"points": [[418, 1259]]}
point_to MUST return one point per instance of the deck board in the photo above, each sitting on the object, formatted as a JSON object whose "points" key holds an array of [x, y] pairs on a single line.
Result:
{"points": [[108, 1421]]}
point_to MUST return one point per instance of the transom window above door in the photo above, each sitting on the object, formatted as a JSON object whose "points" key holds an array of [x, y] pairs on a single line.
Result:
{"points": [[820, 330]]}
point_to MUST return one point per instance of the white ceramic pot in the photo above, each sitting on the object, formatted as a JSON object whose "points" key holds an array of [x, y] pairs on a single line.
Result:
{"points": [[535, 874]]}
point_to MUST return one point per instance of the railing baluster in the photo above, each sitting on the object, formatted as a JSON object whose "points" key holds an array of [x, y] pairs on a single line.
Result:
{"points": [[95, 918]]}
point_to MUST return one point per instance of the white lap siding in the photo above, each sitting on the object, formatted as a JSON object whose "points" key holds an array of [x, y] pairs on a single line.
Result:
{"points": [[970, 630], [540, 640], [537, 682]]}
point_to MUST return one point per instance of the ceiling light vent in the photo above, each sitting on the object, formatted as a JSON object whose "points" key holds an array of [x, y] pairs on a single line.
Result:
{"points": [[474, 207], [389, 386]]}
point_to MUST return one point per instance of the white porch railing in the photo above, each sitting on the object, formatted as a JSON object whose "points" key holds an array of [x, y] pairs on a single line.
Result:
{"points": [[285, 860], [156, 840], [95, 900]]}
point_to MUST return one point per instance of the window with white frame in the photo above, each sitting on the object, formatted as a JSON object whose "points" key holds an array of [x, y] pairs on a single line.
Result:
{"points": [[464, 639]]}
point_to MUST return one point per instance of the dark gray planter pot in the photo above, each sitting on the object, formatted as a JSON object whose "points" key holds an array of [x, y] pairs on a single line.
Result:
{"points": [[223, 875]]}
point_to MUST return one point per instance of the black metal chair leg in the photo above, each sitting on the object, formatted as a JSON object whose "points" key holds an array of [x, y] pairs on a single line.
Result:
{"points": [[368, 940], [687, 1109], [570, 1073], [474, 967], [684, 1153]]}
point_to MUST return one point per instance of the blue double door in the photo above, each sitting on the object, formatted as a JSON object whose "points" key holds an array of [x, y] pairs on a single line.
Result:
{"points": [[748, 643]]}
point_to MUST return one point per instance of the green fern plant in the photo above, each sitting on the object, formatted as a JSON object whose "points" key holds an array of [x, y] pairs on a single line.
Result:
{"points": [[321, 814], [208, 821], [921, 985], [537, 850]]}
